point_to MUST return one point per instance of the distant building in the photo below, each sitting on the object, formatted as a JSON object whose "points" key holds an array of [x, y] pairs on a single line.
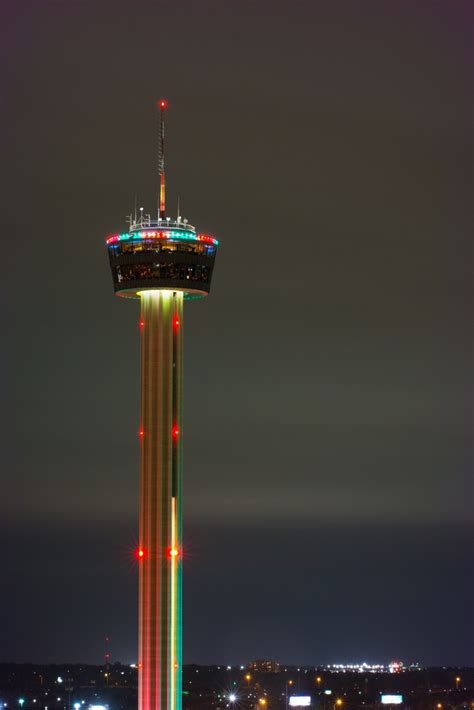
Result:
{"points": [[264, 666]]}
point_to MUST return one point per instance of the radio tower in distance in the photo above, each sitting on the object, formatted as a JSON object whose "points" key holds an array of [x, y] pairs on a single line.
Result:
{"points": [[161, 262]]}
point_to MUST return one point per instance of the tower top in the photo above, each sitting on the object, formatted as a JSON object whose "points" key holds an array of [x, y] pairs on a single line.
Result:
{"points": [[158, 252]]}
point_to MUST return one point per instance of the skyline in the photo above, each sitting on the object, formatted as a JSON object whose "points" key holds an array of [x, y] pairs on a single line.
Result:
{"points": [[327, 466]]}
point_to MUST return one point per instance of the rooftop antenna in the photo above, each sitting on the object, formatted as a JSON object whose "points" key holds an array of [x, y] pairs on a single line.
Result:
{"points": [[161, 160]]}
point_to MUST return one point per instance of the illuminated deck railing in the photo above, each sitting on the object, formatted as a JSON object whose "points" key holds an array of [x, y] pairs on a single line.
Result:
{"points": [[145, 222]]}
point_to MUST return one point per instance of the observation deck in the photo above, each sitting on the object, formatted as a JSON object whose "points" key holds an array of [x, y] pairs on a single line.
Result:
{"points": [[161, 254]]}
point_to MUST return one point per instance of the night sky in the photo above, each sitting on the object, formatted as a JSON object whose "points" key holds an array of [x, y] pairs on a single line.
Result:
{"points": [[328, 377]]}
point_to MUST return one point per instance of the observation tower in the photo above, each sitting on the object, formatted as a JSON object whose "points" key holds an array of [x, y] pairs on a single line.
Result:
{"points": [[161, 262]]}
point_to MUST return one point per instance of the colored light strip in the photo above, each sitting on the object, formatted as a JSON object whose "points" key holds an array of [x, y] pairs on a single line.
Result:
{"points": [[165, 234], [174, 600]]}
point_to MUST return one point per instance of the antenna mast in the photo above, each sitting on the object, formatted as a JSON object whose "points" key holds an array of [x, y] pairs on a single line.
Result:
{"points": [[161, 160]]}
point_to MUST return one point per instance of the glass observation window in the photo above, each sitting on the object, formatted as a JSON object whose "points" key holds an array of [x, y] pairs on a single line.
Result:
{"points": [[156, 246], [159, 271]]}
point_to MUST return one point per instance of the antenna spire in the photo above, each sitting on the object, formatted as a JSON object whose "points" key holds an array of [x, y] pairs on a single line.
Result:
{"points": [[161, 159]]}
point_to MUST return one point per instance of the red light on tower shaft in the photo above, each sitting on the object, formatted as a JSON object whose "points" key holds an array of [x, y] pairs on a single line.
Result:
{"points": [[176, 322], [162, 103], [173, 552], [175, 432], [140, 553]]}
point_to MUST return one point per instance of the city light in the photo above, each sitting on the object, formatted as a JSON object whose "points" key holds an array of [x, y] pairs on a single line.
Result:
{"points": [[391, 699], [392, 667], [232, 698], [300, 701], [262, 701]]}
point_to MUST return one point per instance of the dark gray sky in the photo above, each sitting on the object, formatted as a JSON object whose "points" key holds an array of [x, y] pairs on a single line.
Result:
{"points": [[328, 448]]}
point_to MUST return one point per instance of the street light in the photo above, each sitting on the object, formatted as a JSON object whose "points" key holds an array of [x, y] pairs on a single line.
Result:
{"points": [[77, 706], [318, 681], [262, 702], [21, 702], [338, 703], [288, 682], [457, 681]]}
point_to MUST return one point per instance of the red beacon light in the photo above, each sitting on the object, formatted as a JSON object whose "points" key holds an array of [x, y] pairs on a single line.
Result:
{"points": [[176, 322], [140, 553], [162, 103], [175, 432], [173, 552]]}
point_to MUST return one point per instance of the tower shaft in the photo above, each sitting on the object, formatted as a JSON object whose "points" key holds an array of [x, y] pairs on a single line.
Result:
{"points": [[160, 546]]}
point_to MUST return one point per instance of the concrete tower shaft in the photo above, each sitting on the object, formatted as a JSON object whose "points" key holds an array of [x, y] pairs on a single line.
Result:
{"points": [[160, 544]]}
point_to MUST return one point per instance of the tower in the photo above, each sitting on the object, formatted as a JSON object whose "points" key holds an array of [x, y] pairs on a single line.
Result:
{"points": [[161, 262]]}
